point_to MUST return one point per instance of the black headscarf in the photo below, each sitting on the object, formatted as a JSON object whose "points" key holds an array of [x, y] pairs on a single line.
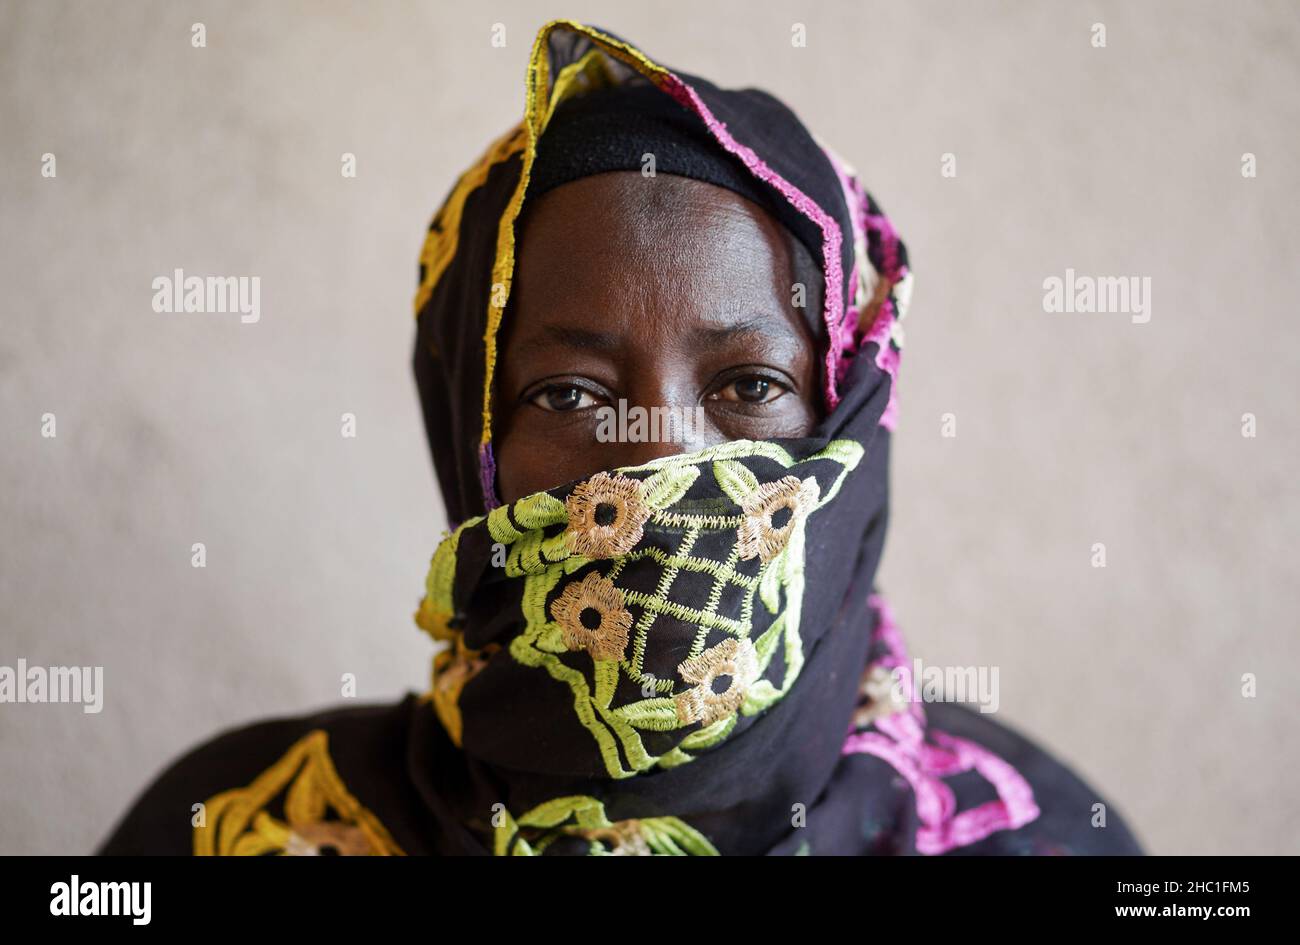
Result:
{"points": [[688, 656]]}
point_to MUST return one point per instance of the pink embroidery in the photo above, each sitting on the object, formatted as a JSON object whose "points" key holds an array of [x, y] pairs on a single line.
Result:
{"points": [[887, 359], [901, 741], [856, 203], [866, 227], [832, 239]]}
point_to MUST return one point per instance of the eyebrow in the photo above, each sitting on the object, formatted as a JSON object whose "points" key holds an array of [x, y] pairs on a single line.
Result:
{"points": [[584, 339], [753, 325], [569, 337]]}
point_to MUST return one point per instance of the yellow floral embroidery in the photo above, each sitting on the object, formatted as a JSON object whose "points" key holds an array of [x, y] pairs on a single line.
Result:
{"points": [[606, 516], [444, 233], [758, 535], [237, 822], [593, 618], [731, 658]]}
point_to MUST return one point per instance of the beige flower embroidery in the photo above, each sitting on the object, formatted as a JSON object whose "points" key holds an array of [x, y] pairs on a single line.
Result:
{"points": [[881, 697], [622, 838], [606, 515], [593, 617], [452, 669], [731, 660], [458, 665], [327, 839], [771, 513]]}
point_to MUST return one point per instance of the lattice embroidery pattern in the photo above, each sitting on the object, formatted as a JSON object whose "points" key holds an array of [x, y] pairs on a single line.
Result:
{"points": [[584, 817], [320, 817], [545, 559]]}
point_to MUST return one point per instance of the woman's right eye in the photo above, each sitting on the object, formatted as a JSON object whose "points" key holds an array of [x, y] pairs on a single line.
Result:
{"points": [[562, 398]]}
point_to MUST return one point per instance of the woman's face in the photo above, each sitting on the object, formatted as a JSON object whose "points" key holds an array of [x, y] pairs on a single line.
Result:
{"points": [[663, 293]]}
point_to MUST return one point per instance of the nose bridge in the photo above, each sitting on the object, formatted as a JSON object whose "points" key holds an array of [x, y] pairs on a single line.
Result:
{"points": [[637, 453], [657, 420]]}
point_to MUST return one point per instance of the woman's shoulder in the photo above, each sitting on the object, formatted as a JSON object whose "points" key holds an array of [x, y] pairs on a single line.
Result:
{"points": [[328, 781], [1074, 817]]}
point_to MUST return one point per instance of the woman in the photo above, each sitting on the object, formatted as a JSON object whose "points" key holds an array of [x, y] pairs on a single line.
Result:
{"points": [[669, 643]]}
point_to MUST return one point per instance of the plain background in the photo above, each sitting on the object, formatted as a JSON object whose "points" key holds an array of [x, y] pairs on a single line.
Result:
{"points": [[1071, 429]]}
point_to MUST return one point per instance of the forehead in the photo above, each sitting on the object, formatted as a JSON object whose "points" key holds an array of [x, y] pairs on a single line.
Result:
{"points": [[650, 240]]}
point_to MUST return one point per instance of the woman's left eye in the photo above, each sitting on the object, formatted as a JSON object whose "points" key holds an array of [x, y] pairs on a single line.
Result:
{"points": [[752, 390], [560, 399]]}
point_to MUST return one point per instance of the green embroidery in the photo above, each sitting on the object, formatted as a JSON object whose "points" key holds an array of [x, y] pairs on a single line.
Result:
{"points": [[582, 816], [668, 486], [540, 553], [735, 479], [437, 607]]}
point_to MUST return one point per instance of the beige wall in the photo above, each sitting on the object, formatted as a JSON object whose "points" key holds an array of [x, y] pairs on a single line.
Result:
{"points": [[1072, 429]]}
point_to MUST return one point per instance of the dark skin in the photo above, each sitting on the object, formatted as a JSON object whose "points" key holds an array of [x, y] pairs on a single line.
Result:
{"points": [[664, 292]]}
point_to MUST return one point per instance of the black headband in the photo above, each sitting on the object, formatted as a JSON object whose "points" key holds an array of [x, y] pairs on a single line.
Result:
{"points": [[617, 127]]}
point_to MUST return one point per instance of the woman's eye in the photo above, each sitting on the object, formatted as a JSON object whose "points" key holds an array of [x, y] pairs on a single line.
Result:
{"points": [[563, 398], [752, 390]]}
